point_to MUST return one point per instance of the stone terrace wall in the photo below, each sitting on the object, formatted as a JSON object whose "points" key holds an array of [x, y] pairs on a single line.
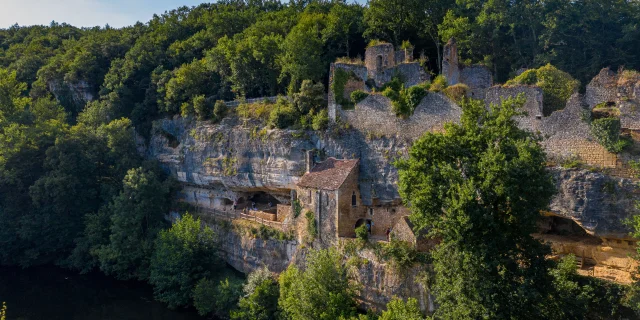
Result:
{"points": [[567, 135], [533, 106], [373, 115]]}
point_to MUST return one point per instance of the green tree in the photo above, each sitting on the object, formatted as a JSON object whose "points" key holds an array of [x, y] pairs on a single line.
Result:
{"points": [[303, 51], [137, 215], [201, 107], [321, 291], [220, 110], [399, 309], [183, 255], [465, 186], [260, 300]]}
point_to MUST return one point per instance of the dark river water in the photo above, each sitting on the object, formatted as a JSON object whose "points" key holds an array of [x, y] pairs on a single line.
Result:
{"points": [[51, 293]]}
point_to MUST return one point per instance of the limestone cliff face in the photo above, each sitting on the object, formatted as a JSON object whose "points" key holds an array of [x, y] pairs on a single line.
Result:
{"points": [[79, 92], [597, 202], [380, 283], [230, 158], [247, 254]]}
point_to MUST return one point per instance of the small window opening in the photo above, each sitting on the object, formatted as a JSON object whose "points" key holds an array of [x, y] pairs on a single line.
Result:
{"points": [[379, 62], [370, 211], [353, 199]]}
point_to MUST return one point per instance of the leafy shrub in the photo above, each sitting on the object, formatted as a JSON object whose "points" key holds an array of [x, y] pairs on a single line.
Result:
{"points": [[438, 84], [228, 293], [557, 86], [396, 83], [414, 96], [204, 296], [320, 120], [404, 101], [260, 300], [310, 97], [358, 96], [297, 208], [183, 255], [283, 114], [400, 253], [312, 227], [457, 92], [340, 79], [201, 107], [258, 110], [398, 309], [321, 291], [607, 133], [392, 94], [362, 233], [528, 77], [220, 110], [375, 42]]}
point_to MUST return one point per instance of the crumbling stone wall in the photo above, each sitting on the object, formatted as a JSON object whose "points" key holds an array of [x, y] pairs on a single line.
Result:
{"points": [[602, 88], [450, 64], [412, 73], [359, 70], [532, 106], [377, 60], [567, 135], [478, 78], [373, 116]]}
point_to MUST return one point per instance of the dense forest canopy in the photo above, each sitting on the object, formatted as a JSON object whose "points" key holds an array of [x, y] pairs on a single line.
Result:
{"points": [[75, 191], [253, 48]]}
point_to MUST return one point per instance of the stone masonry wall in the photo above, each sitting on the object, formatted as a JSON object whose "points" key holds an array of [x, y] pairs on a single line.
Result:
{"points": [[374, 116], [359, 70], [532, 106], [478, 78]]}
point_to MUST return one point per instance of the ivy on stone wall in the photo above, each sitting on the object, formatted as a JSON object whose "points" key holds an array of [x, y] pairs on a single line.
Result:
{"points": [[607, 133], [340, 79]]}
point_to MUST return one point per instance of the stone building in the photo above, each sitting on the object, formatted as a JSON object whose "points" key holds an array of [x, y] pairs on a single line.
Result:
{"points": [[381, 63], [331, 190]]}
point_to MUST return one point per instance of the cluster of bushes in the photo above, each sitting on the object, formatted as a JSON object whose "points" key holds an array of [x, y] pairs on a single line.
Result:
{"points": [[557, 86], [264, 232], [607, 133], [403, 100], [400, 254], [306, 111], [340, 79], [203, 110]]}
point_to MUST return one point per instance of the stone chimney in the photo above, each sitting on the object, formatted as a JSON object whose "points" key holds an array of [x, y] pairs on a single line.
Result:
{"points": [[310, 160]]}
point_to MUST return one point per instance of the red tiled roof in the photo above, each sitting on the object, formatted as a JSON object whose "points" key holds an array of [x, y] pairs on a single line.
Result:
{"points": [[329, 174]]}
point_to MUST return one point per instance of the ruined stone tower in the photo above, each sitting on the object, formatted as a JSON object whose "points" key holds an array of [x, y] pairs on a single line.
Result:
{"points": [[450, 65]]}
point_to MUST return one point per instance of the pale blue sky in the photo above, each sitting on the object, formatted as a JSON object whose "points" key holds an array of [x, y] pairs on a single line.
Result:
{"points": [[86, 13]]}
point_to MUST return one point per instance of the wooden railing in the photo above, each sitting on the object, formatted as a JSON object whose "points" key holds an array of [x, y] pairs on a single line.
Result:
{"points": [[238, 214]]}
